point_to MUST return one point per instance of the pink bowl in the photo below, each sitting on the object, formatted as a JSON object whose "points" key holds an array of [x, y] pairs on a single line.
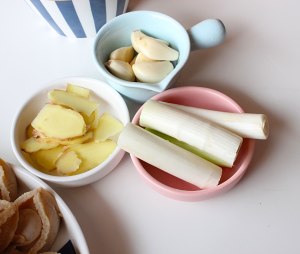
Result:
{"points": [[176, 188]]}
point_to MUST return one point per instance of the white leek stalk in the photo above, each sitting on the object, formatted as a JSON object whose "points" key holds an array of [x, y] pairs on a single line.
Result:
{"points": [[217, 144], [246, 125], [169, 157]]}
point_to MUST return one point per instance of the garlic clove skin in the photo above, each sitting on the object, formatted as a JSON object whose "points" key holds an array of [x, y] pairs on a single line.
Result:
{"points": [[125, 54], [120, 69], [156, 50], [152, 72]]}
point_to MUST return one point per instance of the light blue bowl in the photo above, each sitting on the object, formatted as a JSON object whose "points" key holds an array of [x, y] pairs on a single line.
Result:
{"points": [[116, 34]]}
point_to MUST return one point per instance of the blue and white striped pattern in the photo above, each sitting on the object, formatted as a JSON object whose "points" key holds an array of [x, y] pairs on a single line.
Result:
{"points": [[78, 18]]}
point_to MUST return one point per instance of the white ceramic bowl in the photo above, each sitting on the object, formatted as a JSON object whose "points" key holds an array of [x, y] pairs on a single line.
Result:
{"points": [[69, 228], [109, 100]]}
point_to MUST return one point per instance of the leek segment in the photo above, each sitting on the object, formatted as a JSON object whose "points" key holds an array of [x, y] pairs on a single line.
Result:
{"points": [[169, 157], [246, 125], [216, 143], [186, 146]]}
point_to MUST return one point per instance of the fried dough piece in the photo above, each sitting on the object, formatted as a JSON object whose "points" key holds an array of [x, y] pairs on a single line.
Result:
{"points": [[8, 223], [8, 182], [40, 219]]}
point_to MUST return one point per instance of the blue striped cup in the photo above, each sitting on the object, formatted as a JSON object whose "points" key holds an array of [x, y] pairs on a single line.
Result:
{"points": [[78, 18]]}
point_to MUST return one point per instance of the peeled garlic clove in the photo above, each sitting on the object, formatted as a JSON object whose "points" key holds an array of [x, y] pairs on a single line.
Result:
{"points": [[133, 60], [8, 182], [29, 227], [152, 72], [125, 54], [9, 218], [142, 58], [120, 69], [163, 41], [156, 50], [44, 204], [136, 36]]}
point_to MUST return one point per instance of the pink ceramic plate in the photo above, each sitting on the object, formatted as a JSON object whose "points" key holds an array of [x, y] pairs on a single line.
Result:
{"points": [[176, 188]]}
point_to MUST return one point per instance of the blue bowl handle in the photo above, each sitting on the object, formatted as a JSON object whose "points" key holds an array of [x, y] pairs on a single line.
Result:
{"points": [[206, 34]]}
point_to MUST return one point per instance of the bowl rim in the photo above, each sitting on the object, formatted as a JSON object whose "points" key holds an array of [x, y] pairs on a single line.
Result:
{"points": [[73, 178], [160, 86], [199, 194]]}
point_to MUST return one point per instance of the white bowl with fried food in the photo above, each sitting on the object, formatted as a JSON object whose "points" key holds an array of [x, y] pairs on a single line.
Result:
{"points": [[57, 224], [90, 166]]}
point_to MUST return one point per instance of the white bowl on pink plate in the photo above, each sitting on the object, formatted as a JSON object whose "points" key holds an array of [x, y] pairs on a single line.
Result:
{"points": [[176, 188]]}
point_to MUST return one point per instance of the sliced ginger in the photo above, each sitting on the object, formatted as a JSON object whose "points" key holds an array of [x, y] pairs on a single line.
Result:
{"points": [[93, 153], [68, 163], [87, 136], [29, 131], [71, 100], [68, 136], [78, 90], [47, 158], [31, 145], [92, 120], [55, 121], [108, 126]]}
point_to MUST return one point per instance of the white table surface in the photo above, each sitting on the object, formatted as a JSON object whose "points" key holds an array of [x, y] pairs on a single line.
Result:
{"points": [[258, 66]]}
